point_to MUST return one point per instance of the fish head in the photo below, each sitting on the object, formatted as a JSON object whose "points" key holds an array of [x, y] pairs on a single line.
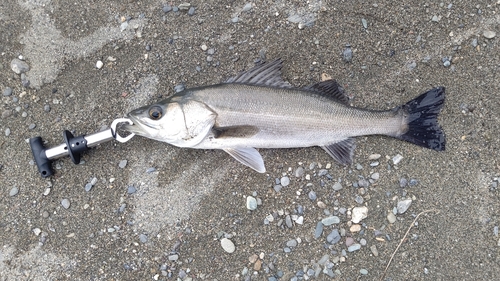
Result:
{"points": [[183, 123], [163, 121]]}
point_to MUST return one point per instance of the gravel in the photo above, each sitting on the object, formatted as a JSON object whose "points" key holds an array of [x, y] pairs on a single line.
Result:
{"points": [[7, 91], [122, 164], [131, 189], [14, 191], [65, 203], [333, 237], [403, 205], [7, 132], [292, 243], [227, 245], [354, 247], [143, 238], [251, 203], [285, 181], [359, 213], [318, 230], [312, 195], [19, 66], [330, 220], [337, 186]]}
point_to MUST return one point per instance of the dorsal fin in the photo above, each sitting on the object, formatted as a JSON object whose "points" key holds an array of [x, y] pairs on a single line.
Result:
{"points": [[265, 74], [330, 89]]}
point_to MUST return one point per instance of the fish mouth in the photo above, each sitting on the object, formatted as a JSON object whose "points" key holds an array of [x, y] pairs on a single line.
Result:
{"points": [[137, 127]]}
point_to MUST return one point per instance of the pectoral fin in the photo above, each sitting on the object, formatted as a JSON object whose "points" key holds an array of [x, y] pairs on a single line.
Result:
{"points": [[249, 157], [342, 151]]}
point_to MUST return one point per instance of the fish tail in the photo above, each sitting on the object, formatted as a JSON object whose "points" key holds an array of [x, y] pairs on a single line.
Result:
{"points": [[422, 120]]}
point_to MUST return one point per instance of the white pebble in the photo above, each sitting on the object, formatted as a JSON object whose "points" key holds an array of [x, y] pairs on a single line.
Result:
{"points": [[359, 213], [391, 217], [489, 34], [37, 231], [403, 205], [374, 156], [65, 203], [14, 191], [99, 64], [251, 203], [47, 191], [396, 159], [227, 245]]}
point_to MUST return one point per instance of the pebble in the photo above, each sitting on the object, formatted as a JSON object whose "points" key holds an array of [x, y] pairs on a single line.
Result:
{"points": [[65, 203], [179, 88], [374, 250], [396, 159], [300, 220], [359, 213], [166, 8], [337, 186], [403, 205], [354, 247], [46, 108], [288, 221], [333, 237], [88, 187], [37, 231], [374, 157], [47, 191], [143, 238], [191, 11], [14, 191], [312, 195], [347, 53], [359, 167], [32, 126], [489, 34], [131, 189], [151, 170], [227, 245], [355, 228], [99, 64], [364, 23], [247, 7], [374, 164], [363, 271], [7, 132], [292, 243], [93, 181], [330, 220], [173, 257], [277, 188], [19, 66], [299, 172], [391, 217], [403, 182], [122, 164], [211, 51], [435, 18], [375, 176], [318, 230], [251, 203], [285, 181], [234, 20], [7, 91]]}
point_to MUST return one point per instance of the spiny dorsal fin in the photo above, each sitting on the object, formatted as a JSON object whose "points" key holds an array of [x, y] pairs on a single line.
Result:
{"points": [[264, 74], [330, 89], [342, 151]]}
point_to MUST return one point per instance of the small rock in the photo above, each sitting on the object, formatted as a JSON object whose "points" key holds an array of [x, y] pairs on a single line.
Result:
{"points": [[333, 237], [318, 230], [347, 54], [122, 164], [292, 243], [88, 187], [355, 228], [374, 157], [14, 191], [288, 221], [251, 203], [396, 159], [31, 126], [337, 186], [435, 18], [99, 64], [375, 176], [7, 91], [359, 213], [312, 195], [330, 220], [131, 189], [191, 11], [391, 217], [37, 231], [354, 247], [7, 132], [143, 238], [151, 170], [363, 271], [19, 66], [247, 7], [374, 250], [489, 34], [65, 203], [285, 181], [403, 205], [166, 8], [299, 172], [227, 245]]}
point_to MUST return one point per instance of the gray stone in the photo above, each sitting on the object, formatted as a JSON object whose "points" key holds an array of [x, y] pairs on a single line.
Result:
{"points": [[333, 237], [337, 186], [19, 66], [251, 203], [299, 172], [330, 220], [288, 221], [143, 238], [14, 191], [285, 181], [131, 189], [227, 245], [354, 247], [403, 206], [65, 203], [7, 91], [292, 243], [122, 164], [318, 230]]}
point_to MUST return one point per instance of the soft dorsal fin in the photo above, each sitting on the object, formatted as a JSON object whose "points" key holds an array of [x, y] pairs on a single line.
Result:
{"points": [[330, 89], [342, 151], [265, 74], [248, 156]]}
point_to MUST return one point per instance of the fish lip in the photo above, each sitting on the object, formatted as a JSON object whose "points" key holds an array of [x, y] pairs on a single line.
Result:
{"points": [[137, 127]]}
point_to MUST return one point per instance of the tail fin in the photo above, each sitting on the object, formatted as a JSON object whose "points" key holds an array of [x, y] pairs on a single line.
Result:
{"points": [[423, 127]]}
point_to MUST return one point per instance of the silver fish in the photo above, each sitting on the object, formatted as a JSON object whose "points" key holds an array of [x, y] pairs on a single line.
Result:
{"points": [[257, 109]]}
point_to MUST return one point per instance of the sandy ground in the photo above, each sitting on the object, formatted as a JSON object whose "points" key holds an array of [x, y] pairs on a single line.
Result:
{"points": [[171, 226]]}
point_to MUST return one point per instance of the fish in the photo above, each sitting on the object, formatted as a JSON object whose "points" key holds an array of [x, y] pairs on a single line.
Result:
{"points": [[258, 109]]}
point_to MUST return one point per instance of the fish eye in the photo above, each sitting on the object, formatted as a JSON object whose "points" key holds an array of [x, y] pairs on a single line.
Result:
{"points": [[155, 112]]}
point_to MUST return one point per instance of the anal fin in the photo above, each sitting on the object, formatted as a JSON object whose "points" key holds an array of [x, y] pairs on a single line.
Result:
{"points": [[342, 151], [248, 156]]}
